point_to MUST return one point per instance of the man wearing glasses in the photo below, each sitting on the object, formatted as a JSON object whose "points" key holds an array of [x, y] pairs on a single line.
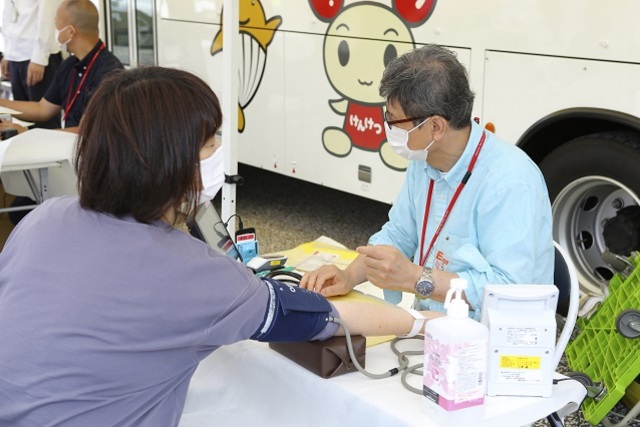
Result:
{"points": [[471, 206]]}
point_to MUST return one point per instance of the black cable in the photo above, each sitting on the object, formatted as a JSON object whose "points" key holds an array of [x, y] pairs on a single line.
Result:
{"points": [[588, 387], [290, 281], [240, 224], [292, 276], [556, 381], [554, 420]]}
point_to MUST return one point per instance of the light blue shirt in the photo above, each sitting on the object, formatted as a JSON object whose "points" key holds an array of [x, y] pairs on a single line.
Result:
{"points": [[498, 232]]}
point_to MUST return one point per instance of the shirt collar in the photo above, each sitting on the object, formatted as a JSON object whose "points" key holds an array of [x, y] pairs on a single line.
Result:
{"points": [[80, 65], [128, 217], [454, 176]]}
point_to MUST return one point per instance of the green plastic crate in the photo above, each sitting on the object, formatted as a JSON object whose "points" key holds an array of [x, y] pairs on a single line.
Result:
{"points": [[602, 353]]}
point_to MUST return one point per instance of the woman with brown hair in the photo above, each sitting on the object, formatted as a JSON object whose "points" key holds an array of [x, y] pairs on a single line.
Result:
{"points": [[106, 308]]}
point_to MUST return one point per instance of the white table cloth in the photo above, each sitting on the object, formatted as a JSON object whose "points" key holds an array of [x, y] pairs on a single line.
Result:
{"points": [[249, 384]]}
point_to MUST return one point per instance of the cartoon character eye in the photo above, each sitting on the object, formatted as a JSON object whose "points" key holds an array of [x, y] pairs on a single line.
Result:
{"points": [[390, 53], [343, 52]]}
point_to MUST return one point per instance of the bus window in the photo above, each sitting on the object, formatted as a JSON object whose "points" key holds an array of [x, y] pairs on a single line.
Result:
{"points": [[133, 44]]}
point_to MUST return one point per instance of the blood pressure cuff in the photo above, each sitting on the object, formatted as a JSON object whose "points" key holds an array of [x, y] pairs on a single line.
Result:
{"points": [[295, 314], [328, 358]]}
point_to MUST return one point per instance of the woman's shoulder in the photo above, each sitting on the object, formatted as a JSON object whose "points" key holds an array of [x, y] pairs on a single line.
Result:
{"points": [[56, 208], [57, 204]]}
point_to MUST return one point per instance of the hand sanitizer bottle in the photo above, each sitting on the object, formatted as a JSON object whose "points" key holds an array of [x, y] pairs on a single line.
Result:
{"points": [[455, 362]]}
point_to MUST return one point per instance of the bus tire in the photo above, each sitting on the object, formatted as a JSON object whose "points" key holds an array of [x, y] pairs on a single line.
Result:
{"points": [[590, 179]]}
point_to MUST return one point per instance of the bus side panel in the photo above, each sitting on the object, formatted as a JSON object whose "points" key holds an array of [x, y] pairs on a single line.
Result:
{"points": [[203, 11], [522, 89], [309, 114], [584, 28], [307, 111], [344, 175], [189, 53], [580, 28], [262, 142], [286, 114]]}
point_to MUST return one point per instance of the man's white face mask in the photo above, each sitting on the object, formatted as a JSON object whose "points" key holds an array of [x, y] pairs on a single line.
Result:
{"points": [[58, 32], [212, 175], [398, 139]]}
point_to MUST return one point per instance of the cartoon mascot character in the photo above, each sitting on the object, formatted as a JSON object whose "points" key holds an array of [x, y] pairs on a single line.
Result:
{"points": [[256, 33], [361, 40]]}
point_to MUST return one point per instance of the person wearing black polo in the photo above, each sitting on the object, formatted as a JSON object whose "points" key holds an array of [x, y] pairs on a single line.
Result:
{"points": [[76, 79], [78, 76]]}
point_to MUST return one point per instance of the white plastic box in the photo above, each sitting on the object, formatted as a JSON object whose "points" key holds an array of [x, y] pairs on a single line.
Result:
{"points": [[522, 338]]}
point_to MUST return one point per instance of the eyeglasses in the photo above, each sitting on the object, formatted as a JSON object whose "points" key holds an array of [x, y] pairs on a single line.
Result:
{"points": [[395, 122]]}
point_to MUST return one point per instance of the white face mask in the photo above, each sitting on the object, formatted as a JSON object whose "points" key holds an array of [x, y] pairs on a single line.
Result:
{"points": [[62, 45], [398, 139], [212, 175]]}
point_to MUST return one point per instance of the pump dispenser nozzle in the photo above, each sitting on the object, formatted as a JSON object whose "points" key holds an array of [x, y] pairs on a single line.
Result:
{"points": [[456, 306]]}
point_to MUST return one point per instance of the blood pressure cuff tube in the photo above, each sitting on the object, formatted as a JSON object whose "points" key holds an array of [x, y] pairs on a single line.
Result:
{"points": [[295, 314]]}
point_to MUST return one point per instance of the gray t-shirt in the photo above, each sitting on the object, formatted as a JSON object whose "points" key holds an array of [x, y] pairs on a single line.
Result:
{"points": [[104, 320]]}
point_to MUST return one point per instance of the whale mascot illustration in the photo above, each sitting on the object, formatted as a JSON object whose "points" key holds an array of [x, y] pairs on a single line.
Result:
{"points": [[256, 33]]}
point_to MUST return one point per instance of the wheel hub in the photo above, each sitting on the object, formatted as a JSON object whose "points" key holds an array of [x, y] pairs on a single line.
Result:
{"points": [[581, 212], [622, 232]]}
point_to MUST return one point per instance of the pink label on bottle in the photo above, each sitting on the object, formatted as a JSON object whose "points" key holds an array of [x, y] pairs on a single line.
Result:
{"points": [[454, 373], [450, 405]]}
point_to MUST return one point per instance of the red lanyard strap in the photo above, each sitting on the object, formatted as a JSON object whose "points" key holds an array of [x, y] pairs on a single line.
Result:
{"points": [[467, 175], [69, 104]]}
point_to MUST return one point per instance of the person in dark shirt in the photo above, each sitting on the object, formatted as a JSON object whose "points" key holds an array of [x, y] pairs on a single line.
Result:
{"points": [[78, 76]]}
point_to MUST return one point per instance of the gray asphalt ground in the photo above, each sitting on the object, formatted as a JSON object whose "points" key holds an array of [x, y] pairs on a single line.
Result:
{"points": [[287, 212]]}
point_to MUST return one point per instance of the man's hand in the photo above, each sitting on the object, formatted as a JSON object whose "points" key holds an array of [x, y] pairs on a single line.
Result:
{"points": [[10, 125], [328, 281], [387, 268], [35, 73], [5, 69]]}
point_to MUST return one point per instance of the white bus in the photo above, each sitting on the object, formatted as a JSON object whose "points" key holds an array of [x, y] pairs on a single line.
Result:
{"points": [[561, 79]]}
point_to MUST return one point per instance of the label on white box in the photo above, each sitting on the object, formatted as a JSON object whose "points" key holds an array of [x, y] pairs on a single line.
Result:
{"points": [[522, 376], [519, 369], [523, 336]]}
